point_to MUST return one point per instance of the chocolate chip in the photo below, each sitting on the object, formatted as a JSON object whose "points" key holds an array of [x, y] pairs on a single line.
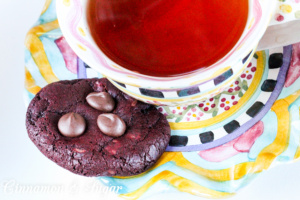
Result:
{"points": [[111, 125], [101, 101], [71, 125]]}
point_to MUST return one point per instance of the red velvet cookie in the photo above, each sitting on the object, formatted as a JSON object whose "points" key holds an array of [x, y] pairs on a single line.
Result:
{"points": [[94, 153]]}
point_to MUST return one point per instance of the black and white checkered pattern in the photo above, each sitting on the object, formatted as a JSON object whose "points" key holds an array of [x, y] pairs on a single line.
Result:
{"points": [[267, 88], [185, 92]]}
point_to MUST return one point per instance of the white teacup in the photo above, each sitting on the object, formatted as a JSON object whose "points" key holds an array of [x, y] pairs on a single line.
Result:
{"points": [[73, 22]]}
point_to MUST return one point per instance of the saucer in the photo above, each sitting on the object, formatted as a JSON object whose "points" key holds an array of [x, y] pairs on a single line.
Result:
{"points": [[219, 145]]}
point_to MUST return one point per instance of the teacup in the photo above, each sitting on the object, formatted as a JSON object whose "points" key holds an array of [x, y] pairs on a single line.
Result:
{"points": [[73, 22]]}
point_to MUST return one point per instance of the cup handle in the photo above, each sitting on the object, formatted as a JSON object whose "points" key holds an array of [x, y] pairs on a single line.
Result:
{"points": [[286, 11]]}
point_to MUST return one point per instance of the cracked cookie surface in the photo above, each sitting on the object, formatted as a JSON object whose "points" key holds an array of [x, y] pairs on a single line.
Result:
{"points": [[94, 153]]}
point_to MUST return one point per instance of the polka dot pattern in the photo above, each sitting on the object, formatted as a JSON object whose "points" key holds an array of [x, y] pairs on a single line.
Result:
{"points": [[215, 105], [287, 10]]}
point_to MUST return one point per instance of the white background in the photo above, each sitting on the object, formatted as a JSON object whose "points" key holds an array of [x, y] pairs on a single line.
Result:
{"points": [[22, 163]]}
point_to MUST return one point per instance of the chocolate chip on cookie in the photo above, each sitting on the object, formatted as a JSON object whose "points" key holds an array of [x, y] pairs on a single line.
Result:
{"points": [[111, 124], [71, 125], [101, 101]]}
